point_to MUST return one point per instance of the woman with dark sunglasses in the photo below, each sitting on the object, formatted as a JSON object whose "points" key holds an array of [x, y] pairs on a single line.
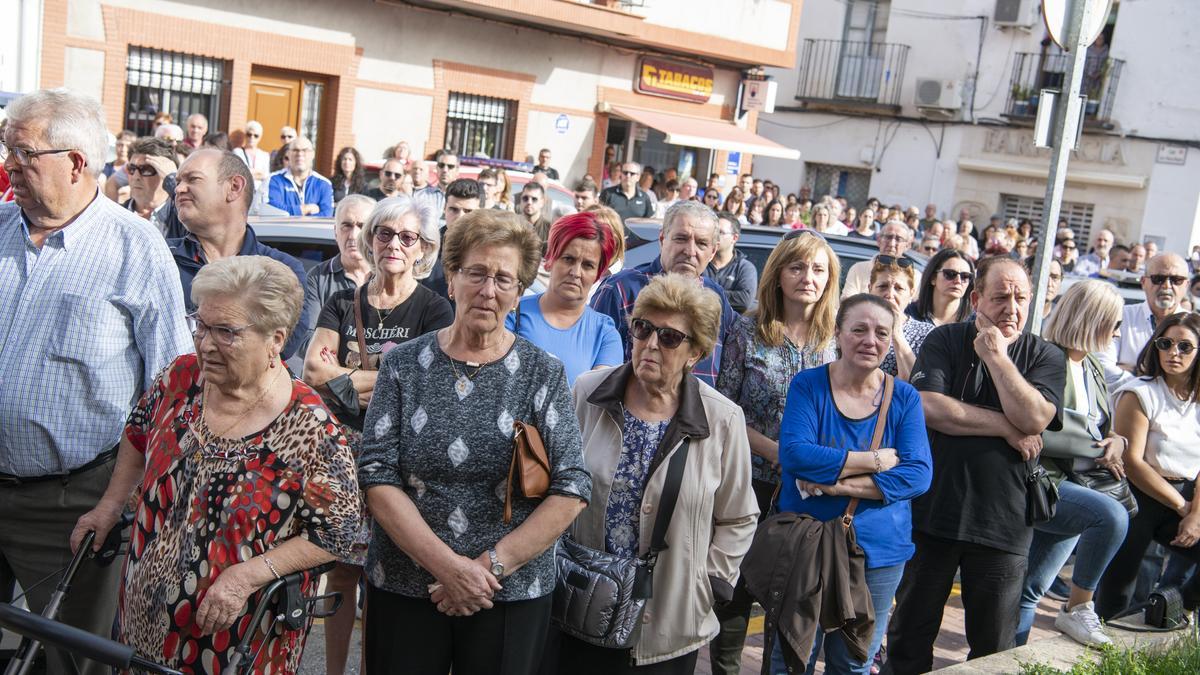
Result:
{"points": [[945, 291], [635, 420], [1159, 412]]}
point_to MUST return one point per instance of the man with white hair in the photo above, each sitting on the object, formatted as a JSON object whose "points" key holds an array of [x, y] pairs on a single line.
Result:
{"points": [[1095, 262], [688, 243], [1165, 284], [197, 129], [894, 240], [91, 308], [298, 189]]}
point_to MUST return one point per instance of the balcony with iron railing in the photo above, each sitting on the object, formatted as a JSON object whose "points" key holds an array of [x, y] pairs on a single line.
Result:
{"points": [[842, 73], [1034, 72]]}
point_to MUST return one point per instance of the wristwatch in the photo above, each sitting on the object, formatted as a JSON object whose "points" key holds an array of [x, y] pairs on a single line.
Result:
{"points": [[497, 566]]}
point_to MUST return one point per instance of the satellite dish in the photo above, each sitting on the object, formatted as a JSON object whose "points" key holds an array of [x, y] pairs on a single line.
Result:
{"points": [[1054, 12]]}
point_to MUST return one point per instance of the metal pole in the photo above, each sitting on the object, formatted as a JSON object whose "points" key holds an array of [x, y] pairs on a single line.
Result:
{"points": [[1066, 128]]}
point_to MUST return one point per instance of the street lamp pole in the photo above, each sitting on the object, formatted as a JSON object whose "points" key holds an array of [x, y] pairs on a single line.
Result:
{"points": [[1064, 132]]}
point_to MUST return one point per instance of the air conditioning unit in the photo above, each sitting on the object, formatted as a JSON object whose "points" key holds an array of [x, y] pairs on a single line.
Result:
{"points": [[938, 95], [1014, 13]]}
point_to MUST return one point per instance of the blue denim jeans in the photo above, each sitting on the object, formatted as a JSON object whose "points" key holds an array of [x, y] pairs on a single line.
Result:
{"points": [[882, 583], [1096, 520]]}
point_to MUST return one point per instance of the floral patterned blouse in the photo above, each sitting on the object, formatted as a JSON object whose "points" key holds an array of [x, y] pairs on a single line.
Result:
{"points": [[202, 509], [915, 331], [756, 376], [623, 516]]}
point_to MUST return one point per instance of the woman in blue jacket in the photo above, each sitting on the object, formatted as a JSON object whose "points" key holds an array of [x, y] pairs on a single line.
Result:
{"points": [[826, 459]]}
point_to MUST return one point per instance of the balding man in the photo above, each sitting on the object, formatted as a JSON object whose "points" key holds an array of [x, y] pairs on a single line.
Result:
{"points": [[894, 240], [197, 129], [299, 190], [91, 310], [688, 242], [213, 196], [1165, 284], [1096, 261], [989, 390], [626, 197]]}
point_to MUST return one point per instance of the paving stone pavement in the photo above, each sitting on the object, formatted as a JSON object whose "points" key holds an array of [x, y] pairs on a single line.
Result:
{"points": [[951, 646]]}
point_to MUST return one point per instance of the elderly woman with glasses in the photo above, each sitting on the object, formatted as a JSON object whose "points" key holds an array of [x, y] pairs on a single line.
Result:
{"points": [[790, 332], [460, 574], [242, 476], [151, 161], [637, 420], [399, 243], [894, 280], [256, 158]]}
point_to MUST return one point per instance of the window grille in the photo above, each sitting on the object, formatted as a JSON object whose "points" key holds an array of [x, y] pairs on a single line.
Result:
{"points": [[480, 125], [1077, 215], [181, 84]]}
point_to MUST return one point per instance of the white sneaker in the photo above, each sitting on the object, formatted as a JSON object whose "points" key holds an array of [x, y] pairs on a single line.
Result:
{"points": [[1082, 625]]}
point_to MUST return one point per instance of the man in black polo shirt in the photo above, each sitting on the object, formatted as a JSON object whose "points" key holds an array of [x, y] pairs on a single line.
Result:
{"points": [[988, 390], [626, 198]]}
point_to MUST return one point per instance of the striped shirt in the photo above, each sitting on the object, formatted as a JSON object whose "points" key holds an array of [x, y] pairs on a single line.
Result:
{"points": [[87, 322]]}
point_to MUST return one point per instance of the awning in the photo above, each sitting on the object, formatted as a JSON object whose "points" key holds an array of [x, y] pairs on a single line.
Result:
{"points": [[702, 133]]}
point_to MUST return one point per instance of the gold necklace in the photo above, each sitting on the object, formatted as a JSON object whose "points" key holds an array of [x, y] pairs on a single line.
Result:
{"points": [[252, 406]]}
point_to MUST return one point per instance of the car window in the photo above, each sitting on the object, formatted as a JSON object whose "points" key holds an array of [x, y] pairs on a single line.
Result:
{"points": [[758, 254]]}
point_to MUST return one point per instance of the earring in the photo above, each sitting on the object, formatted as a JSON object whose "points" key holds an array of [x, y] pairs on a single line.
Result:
{"points": [[271, 360]]}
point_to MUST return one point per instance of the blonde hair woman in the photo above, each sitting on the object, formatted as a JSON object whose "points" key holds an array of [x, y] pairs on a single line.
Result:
{"points": [[790, 332], [1089, 522]]}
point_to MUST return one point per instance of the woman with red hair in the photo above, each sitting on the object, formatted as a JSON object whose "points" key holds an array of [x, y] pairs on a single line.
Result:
{"points": [[579, 249]]}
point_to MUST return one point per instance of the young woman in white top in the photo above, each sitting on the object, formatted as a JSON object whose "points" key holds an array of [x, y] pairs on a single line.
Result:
{"points": [[1159, 412]]}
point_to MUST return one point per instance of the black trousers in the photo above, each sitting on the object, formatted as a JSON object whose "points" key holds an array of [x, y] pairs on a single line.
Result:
{"points": [[576, 657], [991, 593], [1154, 522], [410, 636], [725, 650]]}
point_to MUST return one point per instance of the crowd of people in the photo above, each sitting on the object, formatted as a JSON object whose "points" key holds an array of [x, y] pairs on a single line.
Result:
{"points": [[898, 419]]}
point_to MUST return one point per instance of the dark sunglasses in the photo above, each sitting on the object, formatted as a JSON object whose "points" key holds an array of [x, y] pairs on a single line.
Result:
{"points": [[668, 338], [145, 170], [443, 165], [253, 135], [951, 275], [1160, 279], [394, 175], [1164, 344], [630, 173], [384, 236], [888, 260]]}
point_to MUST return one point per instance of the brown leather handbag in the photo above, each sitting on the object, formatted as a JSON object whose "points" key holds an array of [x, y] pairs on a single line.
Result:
{"points": [[529, 470]]}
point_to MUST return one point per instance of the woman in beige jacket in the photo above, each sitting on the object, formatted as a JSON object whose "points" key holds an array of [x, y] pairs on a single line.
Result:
{"points": [[633, 419]]}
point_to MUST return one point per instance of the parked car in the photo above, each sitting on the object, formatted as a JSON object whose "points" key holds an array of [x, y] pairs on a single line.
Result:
{"points": [[1129, 288], [310, 240], [641, 245]]}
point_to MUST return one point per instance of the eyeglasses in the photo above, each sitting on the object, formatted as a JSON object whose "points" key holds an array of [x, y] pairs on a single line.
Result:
{"points": [[144, 170], [951, 275], [478, 277], [893, 237], [224, 335], [24, 156], [253, 135], [630, 173], [888, 261], [1160, 279], [668, 338], [394, 175], [443, 165], [1164, 344], [384, 236]]}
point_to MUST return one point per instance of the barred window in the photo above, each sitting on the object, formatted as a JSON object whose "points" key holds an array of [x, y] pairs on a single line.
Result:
{"points": [[480, 125], [159, 81], [1077, 215]]}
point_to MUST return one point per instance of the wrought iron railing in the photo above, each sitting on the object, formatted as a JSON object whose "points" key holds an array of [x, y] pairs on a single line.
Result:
{"points": [[853, 72], [1034, 72]]}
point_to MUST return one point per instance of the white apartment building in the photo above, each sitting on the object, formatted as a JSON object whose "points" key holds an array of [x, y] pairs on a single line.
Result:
{"points": [[927, 101]]}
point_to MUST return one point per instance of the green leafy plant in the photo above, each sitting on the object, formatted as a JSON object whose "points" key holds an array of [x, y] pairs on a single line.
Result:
{"points": [[1181, 657]]}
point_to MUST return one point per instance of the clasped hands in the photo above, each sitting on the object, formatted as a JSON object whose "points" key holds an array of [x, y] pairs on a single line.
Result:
{"points": [[888, 458], [467, 587]]}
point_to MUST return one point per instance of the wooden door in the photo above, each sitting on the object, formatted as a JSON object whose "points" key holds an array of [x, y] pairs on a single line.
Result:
{"points": [[275, 103]]}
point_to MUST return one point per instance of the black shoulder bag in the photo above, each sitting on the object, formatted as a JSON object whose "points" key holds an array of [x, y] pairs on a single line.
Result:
{"points": [[600, 597]]}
